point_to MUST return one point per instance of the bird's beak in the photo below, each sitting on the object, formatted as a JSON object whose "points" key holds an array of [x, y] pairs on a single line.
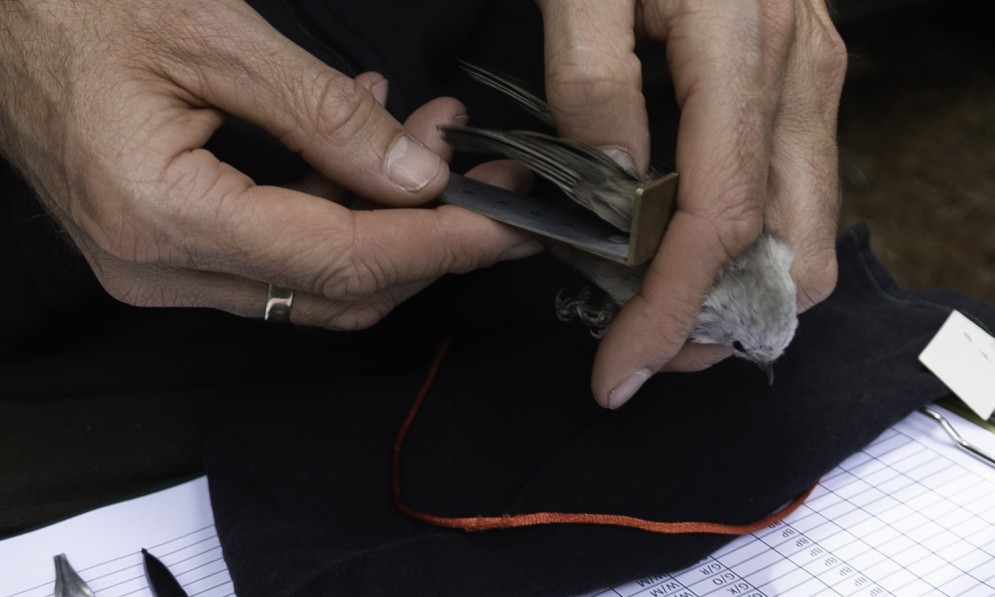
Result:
{"points": [[769, 370]]}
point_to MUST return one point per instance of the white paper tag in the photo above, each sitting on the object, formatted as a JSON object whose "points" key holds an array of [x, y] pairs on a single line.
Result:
{"points": [[962, 355]]}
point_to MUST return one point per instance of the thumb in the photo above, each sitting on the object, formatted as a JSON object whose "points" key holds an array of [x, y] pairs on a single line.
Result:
{"points": [[333, 121]]}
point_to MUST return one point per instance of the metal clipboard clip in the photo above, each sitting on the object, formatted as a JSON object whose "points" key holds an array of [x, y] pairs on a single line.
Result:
{"points": [[956, 437]]}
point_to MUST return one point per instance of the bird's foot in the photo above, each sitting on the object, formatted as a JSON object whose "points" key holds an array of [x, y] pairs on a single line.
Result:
{"points": [[596, 313]]}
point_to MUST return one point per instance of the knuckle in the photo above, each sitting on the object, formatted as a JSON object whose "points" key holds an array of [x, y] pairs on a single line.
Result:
{"points": [[588, 77], [823, 59], [832, 58], [737, 217], [355, 268], [350, 277], [338, 109], [341, 279], [362, 278]]}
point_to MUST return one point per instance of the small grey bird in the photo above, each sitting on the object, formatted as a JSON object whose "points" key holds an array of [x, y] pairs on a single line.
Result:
{"points": [[751, 308]]}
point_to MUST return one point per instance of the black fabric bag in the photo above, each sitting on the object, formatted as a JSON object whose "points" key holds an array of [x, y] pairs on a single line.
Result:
{"points": [[299, 460]]}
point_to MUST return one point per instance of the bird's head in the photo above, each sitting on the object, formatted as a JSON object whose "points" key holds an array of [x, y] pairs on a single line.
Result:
{"points": [[752, 307]]}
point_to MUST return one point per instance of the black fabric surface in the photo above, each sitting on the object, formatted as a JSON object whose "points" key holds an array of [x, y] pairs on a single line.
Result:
{"points": [[416, 46], [299, 460]]}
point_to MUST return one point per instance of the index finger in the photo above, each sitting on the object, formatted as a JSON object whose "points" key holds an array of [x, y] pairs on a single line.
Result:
{"points": [[594, 79]]}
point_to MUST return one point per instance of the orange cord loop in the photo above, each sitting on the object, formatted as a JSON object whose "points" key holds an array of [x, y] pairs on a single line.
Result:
{"points": [[508, 521]]}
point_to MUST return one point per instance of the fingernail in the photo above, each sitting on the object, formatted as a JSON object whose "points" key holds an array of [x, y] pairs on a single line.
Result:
{"points": [[379, 91], [626, 388], [461, 120], [410, 164], [522, 250], [620, 156]]}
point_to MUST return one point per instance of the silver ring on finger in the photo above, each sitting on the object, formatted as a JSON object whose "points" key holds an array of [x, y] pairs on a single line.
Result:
{"points": [[279, 301]]}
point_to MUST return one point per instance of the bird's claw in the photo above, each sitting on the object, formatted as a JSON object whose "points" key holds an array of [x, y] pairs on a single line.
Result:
{"points": [[596, 315]]}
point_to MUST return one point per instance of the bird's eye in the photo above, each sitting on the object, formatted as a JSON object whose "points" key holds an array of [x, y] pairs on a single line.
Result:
{"points": [[738, 346]]}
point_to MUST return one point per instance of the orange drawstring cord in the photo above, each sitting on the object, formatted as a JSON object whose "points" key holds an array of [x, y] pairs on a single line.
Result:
{"points": [[507, 521]]}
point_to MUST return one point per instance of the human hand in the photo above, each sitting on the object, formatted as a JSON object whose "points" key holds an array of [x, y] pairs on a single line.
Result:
{"points": [[106, 107], [758, 85]]}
